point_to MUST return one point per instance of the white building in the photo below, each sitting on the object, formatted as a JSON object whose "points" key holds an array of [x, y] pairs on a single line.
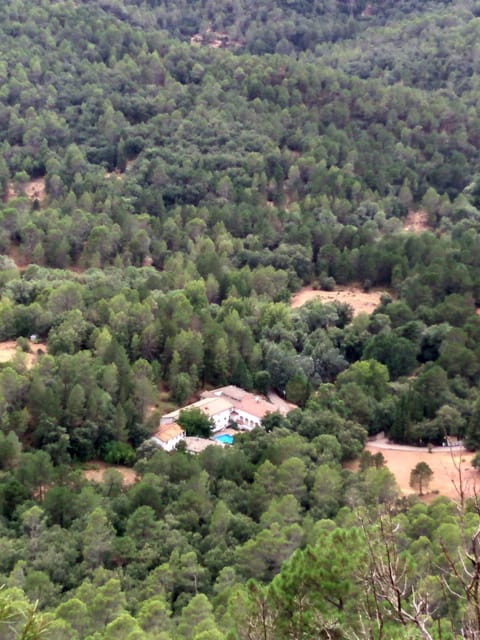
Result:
{"points": [[250, 411], [215, 408], [168, 436], [229, 404]]}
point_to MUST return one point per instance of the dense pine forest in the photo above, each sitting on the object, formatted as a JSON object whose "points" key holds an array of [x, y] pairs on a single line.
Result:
{"points": [[171, 174]]}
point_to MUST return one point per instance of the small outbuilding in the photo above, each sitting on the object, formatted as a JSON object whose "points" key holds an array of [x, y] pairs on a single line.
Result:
{"points": [[168, 436]]}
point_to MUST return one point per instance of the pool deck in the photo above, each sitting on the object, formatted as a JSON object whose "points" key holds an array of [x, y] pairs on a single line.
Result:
{"points": [[197, 445], [225, 432]]}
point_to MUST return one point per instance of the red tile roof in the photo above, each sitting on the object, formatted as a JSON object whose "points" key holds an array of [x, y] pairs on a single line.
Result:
{"points": [[255, 406], [168, 432]]}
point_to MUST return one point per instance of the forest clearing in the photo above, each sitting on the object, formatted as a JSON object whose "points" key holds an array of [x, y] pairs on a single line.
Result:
{"points": [[444, 464], [34, 189], [416, 222], [96, 470], [361, 301], [9, 348]]}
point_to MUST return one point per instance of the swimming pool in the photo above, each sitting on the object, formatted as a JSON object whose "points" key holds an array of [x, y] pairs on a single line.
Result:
{"points": [[225, 438]]}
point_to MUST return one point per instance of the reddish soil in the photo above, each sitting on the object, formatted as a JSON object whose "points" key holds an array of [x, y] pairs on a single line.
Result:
{"points": [[360, 301], [444, 464], [98, 468], [21, 262], [416, 221], [8, 350]]}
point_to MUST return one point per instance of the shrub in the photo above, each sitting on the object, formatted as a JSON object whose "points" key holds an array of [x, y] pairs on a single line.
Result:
{"points": [[119, 453]]}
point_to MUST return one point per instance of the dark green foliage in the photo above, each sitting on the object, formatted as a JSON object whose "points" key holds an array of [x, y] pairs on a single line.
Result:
{"points": [[472, 434], [420, 477], [298, 390], [262, 381], [119, 453], [368, 459], [162, 198], [195, 423], [476, 461], [398, 354], [10, 448]]}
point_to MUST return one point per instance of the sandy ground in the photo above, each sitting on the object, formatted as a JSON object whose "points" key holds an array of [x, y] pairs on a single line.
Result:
{"points": [[444, 464], [416, 221], [9, 348], [360, 301], [33, 189], [98, 468]]}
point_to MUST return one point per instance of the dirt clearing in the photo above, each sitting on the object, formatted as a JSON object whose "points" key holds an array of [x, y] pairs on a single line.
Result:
{"points": [[361, 301], [444, 465], [416, 222], [8, 349], [33, 189], [21, 261], [97, 469]]}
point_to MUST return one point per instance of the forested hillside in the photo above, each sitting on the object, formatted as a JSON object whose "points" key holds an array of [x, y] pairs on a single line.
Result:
{"points": [[171, 173]]}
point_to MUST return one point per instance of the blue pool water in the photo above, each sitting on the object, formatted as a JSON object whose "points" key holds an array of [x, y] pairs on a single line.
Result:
{"points": [[225, 438]]}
